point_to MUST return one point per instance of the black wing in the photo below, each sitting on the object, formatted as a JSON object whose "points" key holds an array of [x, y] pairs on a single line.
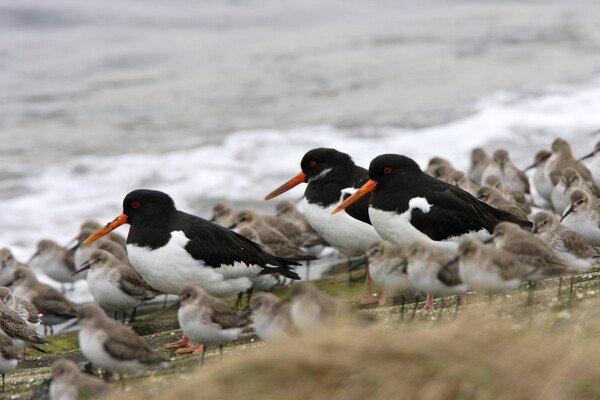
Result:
{"points": [[216, 245], [455, 212]]}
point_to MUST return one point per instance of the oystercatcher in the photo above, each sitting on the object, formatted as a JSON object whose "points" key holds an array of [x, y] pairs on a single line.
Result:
{"points": [[171, 249], [332, 176], [408, 204]]}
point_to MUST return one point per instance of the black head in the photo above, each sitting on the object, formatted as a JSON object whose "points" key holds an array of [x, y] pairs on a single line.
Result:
{"points": [[319, 163], [147, 203], [388, 168]]}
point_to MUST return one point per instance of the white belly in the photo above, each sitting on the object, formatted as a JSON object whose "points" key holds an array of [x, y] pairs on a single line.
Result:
{"points": [[587, 228], [425, 279], [108, 294], [55, 268], [207, 333], [171, 267], [478, 278], [542, 185], [559, 199], [349, 235], [6, 275], [306, 315], [394, 280], [91, 343], [61, 390], [397, 229], [7, 366], [264, 326]]}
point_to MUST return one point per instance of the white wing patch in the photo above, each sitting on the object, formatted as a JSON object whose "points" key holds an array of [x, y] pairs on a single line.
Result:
{"points": [[418, 203], [348, 191]]}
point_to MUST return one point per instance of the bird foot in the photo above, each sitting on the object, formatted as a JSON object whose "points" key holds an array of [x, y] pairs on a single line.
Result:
{"points": [[180, 343], [366, 298], [196, 349]]}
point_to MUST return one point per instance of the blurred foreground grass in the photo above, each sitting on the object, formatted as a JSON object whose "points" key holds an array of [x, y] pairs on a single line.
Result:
{"points": [[494, 348]]}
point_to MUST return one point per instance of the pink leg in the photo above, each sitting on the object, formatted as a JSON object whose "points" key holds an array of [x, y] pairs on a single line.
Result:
{"points": [[462, 299], [198, 348], [367, 297], [180, 343], [428, 304]]}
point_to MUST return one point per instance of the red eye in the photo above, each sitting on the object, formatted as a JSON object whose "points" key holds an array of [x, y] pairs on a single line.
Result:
{"points": [[387, 170], [135, 204], [312, 163]]}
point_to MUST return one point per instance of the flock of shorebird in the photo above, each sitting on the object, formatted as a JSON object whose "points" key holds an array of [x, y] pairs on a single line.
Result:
{"points": [[440, 232]]}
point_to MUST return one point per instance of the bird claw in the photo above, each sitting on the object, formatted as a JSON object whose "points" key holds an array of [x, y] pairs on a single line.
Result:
{"points": [[198, 348], [180, 343]]}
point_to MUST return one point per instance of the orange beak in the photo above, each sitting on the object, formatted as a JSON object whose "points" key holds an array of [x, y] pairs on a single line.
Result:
{"points": [[366, 188], [120, 220], [300, 178]]}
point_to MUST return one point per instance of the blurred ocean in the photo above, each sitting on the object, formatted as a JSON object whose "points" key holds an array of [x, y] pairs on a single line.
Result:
{"points": [[220, 100]]}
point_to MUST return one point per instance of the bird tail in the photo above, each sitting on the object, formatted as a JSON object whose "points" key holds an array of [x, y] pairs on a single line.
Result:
{"points": [[285, 269]]}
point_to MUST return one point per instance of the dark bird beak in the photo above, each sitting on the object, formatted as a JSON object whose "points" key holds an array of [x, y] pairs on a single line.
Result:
{"points": [[120, 220], [72, 324], [368, 187], [173, 306], [488, 241], [37, 253], [85, 266], [357, 263], [569, 211], [530, 167], [587, 156], [71, 250], [232, 226], [300, 178], [534, 230], [73, 242]]}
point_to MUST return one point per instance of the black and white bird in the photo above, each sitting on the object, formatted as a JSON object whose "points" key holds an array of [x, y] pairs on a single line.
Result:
{"points": [[406, 204], [171, 249], [332, 176]]}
